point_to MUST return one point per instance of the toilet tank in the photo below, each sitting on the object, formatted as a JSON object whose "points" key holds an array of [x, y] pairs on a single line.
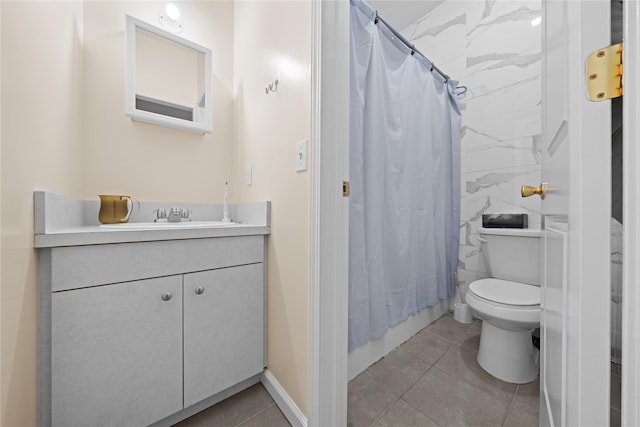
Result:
{"points": [[512, 254]]}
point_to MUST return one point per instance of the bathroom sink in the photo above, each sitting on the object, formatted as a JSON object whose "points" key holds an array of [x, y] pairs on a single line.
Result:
{"points": [[167, 225]]}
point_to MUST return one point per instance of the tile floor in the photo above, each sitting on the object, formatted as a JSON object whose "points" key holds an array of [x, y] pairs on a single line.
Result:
{"points": [[433, 379], [616, 394], [252, 407]]}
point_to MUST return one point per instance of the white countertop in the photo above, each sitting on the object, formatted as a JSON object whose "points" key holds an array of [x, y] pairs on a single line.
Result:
{"points": [[62, 221], [95, 235]]}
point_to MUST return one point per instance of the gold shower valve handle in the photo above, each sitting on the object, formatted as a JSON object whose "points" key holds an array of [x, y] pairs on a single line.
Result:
{"points": [[528, 190]]}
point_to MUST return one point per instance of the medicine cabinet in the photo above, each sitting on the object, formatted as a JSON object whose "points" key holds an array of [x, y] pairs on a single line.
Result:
{"points": [[167, 79]]}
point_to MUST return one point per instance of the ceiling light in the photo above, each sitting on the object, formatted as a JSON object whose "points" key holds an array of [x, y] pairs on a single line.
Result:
{"points": [[536, 21], [169, 18], [172, 11]]}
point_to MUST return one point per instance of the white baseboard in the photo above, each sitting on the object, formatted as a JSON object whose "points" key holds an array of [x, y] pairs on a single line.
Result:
{"points": [[360, 358], [288, 407]]}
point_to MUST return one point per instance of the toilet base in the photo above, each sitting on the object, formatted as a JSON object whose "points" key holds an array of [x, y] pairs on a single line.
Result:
{"points": [[507, 355]]}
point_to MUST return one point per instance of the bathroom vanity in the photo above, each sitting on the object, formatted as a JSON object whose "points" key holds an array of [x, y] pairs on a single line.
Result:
{"points": [[144, 326]]}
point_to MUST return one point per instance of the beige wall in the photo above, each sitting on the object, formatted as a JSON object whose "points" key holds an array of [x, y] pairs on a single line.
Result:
{"points": [[150, 162], [270, 38], [64, 129], [41, 116]]}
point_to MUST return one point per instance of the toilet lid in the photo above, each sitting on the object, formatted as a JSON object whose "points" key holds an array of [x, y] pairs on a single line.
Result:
{"points": [[506, 292]]}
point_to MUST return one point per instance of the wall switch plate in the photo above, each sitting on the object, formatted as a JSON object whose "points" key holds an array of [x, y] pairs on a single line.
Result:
{"points": [[248, 175], [301, 156]]}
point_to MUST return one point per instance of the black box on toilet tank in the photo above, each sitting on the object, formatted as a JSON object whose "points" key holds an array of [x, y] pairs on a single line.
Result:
{"points": [[505, 221]]}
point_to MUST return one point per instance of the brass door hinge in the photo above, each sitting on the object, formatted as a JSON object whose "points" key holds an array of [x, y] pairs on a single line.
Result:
{"points": [[604, 73], [345, 188]]}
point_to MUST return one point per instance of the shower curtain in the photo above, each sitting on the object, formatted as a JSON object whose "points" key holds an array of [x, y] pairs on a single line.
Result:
{"points": [[404, 206]]}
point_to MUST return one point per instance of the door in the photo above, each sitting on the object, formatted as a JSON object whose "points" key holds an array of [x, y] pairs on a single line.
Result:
{"points": [[631, 249], [116, 353], [576, 144], [223, 329]]}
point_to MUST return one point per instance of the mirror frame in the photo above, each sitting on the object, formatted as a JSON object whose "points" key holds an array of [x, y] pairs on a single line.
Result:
{"points": [[130, 109]]}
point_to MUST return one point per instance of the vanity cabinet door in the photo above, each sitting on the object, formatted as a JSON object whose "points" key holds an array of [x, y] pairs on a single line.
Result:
{"points": [[223, 329], [117, 353]]}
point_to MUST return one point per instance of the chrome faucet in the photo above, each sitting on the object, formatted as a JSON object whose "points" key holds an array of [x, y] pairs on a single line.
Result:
{"points": [[175, 215], [161, 215]]}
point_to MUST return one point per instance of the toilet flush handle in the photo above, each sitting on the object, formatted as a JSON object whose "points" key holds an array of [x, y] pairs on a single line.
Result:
{"points": [[482, 240]]}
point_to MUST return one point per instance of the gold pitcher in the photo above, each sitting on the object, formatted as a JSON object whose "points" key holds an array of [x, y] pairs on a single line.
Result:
{"points": [[114, 209]]}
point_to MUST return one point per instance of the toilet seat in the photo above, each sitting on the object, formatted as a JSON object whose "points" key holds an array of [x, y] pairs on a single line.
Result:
{"points": [[517, 308], [506, 293]]}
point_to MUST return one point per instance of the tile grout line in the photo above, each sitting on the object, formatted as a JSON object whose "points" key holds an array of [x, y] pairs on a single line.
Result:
{"points": [[428, 369], [423, 375], [386, 388], [408, 403], [256, 415], [513, 398], [433, 365], [400, 397], [273, 403]]}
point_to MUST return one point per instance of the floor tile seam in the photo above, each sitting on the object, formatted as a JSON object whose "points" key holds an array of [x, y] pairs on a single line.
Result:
{"points": [[478, 386], [428, 370], [465, 332], [271, 403], [455, 374], [416, 381], [421, 377], [451, 343], [443, 355], [417, 409], [513, 398], [385, 386], [254, 416], [426, 331], [450, 340], [523, 406], [373, 423]]}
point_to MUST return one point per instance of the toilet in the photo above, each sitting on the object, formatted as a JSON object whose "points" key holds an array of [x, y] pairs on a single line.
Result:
{"points": [[508, 303]]}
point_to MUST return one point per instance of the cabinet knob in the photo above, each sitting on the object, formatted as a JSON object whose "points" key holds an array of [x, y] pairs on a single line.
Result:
{"points": [[166, 296], [199, 290]]}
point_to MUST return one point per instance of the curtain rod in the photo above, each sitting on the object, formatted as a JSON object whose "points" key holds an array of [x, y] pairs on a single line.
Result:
{"points": [[400, 37]]}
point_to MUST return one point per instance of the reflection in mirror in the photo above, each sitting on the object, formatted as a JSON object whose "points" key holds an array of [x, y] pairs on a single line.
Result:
{"points": [[166, 79]]}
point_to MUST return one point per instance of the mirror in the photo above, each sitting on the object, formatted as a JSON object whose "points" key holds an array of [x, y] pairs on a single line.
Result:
{"points": [[167, 79]]}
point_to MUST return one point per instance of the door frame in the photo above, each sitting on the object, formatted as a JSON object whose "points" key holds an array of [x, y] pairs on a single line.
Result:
{"points": [[328, 299], [329, 217], [631, 214]]}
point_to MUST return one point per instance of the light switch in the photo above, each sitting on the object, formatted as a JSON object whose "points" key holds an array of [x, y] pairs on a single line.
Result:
{"points": [[248, 175], [301, 156]]}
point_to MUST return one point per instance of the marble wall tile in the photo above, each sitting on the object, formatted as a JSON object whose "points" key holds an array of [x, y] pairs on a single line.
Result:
{"points": [[441, 35], [508, 113], [492, 48], [496, 13], [502, 188], [495, 58], [478, 155]]}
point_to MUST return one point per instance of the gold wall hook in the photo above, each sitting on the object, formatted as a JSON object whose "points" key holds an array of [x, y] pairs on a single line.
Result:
{"points": [[528, 190]]}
